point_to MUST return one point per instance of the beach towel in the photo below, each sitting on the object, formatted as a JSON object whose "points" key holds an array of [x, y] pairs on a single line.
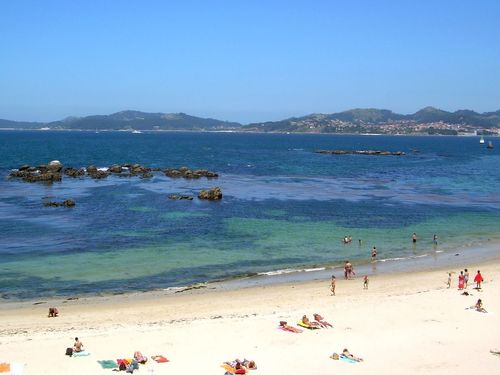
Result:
{"points": [[308, 326], [83, 353], [107, 363], [4, 367], [230, 369], [298, 330], [159, 358], [343, 358], [17, 369]]}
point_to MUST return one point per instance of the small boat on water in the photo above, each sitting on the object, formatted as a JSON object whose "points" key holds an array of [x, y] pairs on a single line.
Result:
{"points": [[481, 140], [490, 145]]}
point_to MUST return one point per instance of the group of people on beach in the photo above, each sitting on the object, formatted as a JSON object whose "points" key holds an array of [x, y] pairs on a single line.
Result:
{"points": [[463, 279]]}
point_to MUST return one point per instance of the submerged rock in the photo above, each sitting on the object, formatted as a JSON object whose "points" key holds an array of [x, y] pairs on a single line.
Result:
{"points": [[176, 197], [65, 203]]}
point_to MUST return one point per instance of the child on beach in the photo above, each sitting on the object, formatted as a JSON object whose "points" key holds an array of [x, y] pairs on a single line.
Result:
{"points": [[449, 280], [332, 285], [365, 282], [478, 279]]}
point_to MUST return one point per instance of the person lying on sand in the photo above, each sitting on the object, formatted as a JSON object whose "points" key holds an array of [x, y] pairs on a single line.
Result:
{"points": [[140, 358], [321, 321], [284, 326], [249, 364], [346, 354], [307, 322], [235, 367]]}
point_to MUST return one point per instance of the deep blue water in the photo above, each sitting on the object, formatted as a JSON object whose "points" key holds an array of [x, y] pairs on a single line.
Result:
{"points": [[284, 206]]}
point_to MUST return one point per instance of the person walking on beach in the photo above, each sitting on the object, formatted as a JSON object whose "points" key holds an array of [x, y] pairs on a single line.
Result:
{"points": [[332, 285], [466, 277], [374, 253], [449, 280], [414, 237], [365, 282], [478, 279], [461, 280]]}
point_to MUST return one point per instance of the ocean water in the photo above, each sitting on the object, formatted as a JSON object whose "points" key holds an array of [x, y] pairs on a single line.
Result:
{"points": [[284, 207]]}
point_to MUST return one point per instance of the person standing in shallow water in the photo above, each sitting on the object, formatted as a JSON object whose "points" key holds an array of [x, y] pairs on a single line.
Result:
{"points": [[374, 253], [414, 237]]}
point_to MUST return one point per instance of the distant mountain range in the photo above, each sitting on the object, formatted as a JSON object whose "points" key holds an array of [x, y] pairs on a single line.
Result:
{"points": [[128, 120], [427, 120]]}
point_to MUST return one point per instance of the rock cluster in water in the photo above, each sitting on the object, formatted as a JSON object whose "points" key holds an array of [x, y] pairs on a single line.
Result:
{"points": [[176, 197], [65, 203], [54, 171], [361, 152]]}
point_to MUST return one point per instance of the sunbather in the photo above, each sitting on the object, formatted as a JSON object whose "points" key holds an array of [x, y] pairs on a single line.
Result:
{"points": [[78, 345], [479, 306], [307, 322], [249, 364], [321, 321], [346, 354], [285, 327], [140, 358]]}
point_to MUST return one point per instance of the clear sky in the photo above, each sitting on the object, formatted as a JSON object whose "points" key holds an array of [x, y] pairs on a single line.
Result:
{"points": [[246, 60]]}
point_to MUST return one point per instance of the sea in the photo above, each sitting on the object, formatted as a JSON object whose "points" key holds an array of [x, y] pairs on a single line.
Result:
{"points": [[285, 208]]}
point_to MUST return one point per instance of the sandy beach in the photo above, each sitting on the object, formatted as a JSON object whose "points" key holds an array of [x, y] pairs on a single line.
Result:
{"points": [[404, 323]]}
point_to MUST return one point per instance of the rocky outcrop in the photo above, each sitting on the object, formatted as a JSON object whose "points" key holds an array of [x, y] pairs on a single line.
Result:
{"points": [[361, 152], [54, 170], [185, 172], [73, 172], [176, 197], [65, 203], [115, 169], [211, 194], [32, 174], [95, 173]]}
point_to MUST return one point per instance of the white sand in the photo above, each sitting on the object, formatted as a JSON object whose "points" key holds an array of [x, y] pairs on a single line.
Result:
{"points": [[404, 324]]}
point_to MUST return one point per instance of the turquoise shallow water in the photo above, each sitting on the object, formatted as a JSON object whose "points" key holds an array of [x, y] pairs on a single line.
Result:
{"points": [[284, 207]]}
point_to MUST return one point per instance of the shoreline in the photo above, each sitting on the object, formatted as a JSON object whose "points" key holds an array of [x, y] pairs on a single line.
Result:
{"points": [[438, 261], [405, 320]]}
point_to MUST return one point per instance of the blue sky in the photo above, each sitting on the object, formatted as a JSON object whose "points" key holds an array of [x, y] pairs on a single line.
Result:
{"points": [[246, 60]]}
